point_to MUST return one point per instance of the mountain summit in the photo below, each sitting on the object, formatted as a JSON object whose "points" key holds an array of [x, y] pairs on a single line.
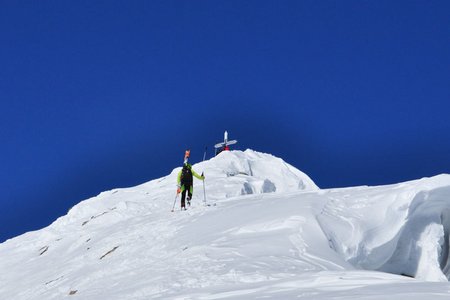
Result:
{"points": [[268, 231]]}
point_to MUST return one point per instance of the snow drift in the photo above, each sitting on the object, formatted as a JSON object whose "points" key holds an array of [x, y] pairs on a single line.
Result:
{"points": [[273, 233], [400, 229]]}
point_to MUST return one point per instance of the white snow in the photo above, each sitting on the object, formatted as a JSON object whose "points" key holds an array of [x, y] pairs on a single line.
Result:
{"points": [[273, 234]]}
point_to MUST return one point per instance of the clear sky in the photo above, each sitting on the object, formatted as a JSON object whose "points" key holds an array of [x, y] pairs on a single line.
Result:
{"points": [[96, 95]]}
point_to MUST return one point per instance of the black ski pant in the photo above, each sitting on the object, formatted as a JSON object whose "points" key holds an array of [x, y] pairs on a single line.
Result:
{"points": [[187, 189]]}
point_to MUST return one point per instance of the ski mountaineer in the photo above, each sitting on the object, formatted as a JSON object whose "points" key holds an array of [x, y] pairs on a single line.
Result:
{"points": [[185, 181]]}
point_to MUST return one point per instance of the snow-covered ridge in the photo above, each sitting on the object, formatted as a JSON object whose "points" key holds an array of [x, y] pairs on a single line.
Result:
{"points": [[272, 234], [255, 172], [230, 174]]}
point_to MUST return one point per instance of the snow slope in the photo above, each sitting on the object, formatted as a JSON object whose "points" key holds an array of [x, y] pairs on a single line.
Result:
{"points": [[272, 233]]}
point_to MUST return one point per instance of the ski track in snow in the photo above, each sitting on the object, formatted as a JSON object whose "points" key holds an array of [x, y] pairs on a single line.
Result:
{"points": [[273, 234]]}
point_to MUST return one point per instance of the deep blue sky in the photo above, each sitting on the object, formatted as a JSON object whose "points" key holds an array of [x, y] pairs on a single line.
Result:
{"points": [[96, 95]]}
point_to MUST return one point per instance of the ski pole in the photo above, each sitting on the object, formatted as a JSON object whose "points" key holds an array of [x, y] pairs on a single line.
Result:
{"points": [[204, 154], [174, 201], [204, 191]]}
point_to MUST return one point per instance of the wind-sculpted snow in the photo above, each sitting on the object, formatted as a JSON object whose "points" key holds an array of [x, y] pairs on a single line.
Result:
{"points": [[269, 233], [401, 229]]}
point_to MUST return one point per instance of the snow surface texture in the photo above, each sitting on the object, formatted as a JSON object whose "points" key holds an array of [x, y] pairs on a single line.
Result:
{"points": [[272, 234]]}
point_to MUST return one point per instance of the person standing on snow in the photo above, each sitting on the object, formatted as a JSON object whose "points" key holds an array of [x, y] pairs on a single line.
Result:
{"points": [[185, 183]]}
